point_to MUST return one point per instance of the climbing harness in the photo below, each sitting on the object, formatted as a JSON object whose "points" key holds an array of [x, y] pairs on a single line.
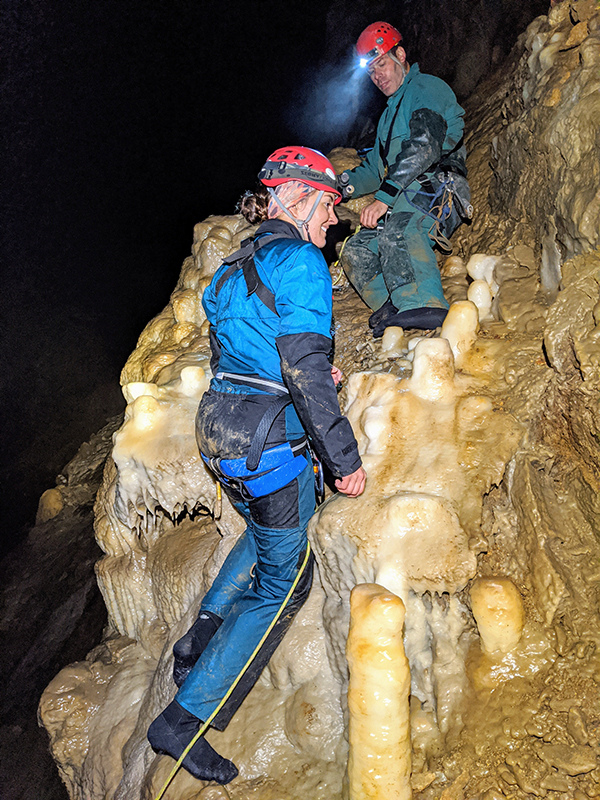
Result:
{"points": [[243, 259], [280, 400], [277, 467], [205, 725], [440, 202]]}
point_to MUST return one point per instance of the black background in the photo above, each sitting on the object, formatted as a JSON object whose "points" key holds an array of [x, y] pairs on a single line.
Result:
{"points": [[126, 123]]}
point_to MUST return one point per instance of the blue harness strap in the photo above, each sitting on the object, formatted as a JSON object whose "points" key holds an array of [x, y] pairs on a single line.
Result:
{"points": [[277, 467], [443, 191]]}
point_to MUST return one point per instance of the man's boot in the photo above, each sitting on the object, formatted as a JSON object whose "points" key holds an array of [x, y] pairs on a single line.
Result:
{"points": [[424, 319], [388, 309]]}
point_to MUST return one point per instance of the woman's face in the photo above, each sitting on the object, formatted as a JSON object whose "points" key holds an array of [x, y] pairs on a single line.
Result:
{"points": [[323, 217]]}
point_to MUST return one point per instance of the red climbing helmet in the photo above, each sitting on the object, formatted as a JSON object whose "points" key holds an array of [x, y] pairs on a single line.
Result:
{"points": [[376, 39], [300, 164]]}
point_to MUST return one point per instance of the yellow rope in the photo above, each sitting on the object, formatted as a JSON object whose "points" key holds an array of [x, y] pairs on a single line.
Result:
{"points": [[205, 725], [336, 263], [218, 502]]}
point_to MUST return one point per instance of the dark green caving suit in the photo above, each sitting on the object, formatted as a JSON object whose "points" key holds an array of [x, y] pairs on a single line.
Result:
{"points": [[418, 146]]}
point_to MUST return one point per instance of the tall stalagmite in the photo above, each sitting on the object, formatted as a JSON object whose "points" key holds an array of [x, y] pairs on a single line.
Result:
{"points": [[379, 762]]}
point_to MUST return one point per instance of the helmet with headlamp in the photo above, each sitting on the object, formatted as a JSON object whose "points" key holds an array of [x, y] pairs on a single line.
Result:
{"points": [[376, 40]]}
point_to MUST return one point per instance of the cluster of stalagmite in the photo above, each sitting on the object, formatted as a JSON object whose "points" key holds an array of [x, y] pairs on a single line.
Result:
{"points": [[459, 589]]}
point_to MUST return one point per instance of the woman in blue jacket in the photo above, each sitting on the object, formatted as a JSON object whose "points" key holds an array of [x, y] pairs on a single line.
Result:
{"points": [[269, 307]]}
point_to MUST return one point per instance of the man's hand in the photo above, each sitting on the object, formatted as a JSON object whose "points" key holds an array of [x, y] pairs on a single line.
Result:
{"points": [[371, 213], [352, 485], [336, 374]]}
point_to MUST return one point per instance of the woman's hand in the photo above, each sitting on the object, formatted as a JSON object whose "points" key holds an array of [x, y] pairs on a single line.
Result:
{"points": [[371, 213], [336, 374], [352, 485]]}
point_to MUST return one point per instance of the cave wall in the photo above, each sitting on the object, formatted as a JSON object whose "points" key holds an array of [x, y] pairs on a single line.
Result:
{"points": [[461, 42], [533, 138]]}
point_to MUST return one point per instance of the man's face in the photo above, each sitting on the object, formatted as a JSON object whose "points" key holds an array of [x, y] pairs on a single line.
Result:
{"points": [[387, 74]]}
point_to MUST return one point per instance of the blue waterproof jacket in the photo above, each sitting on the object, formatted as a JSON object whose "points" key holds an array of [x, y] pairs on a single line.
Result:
{"points": [[290, 346], [421, 127]]}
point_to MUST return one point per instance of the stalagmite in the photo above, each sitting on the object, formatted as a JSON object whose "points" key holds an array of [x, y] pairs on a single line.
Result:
{"points": [[393, 342], [433, 371], [498, 611], [480, 294], [460, 327], [131, 391], [453, 266], [379, 765], [481, 267]]}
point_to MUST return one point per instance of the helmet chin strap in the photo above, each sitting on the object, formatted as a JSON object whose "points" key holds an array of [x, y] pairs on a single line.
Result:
{"points": [[301, 224], [400, 64]]}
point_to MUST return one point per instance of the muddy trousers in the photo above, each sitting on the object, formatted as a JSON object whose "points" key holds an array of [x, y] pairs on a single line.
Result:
{"points": [[262, 584], [397, 262]]}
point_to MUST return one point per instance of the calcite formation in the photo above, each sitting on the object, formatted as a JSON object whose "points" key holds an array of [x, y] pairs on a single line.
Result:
{"points": [[432, 448], [379, 764], [498, 611], [480, 515]]}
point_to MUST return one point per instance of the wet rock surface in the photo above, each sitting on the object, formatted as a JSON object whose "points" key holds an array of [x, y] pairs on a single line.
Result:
{"points": [[52, 613]]}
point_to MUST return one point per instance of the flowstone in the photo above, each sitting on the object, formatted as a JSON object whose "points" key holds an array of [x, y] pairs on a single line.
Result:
{"points": [[480, 442]]}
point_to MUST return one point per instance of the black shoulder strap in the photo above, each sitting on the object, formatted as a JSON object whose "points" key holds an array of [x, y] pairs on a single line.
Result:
{"points": [[235, 260], [225, 276], [254, 284], [244, 259]]}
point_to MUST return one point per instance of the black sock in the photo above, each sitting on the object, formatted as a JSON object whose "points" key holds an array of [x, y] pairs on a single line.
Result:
{"points": [[173, 730], [190, 647], [205, 764]]}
